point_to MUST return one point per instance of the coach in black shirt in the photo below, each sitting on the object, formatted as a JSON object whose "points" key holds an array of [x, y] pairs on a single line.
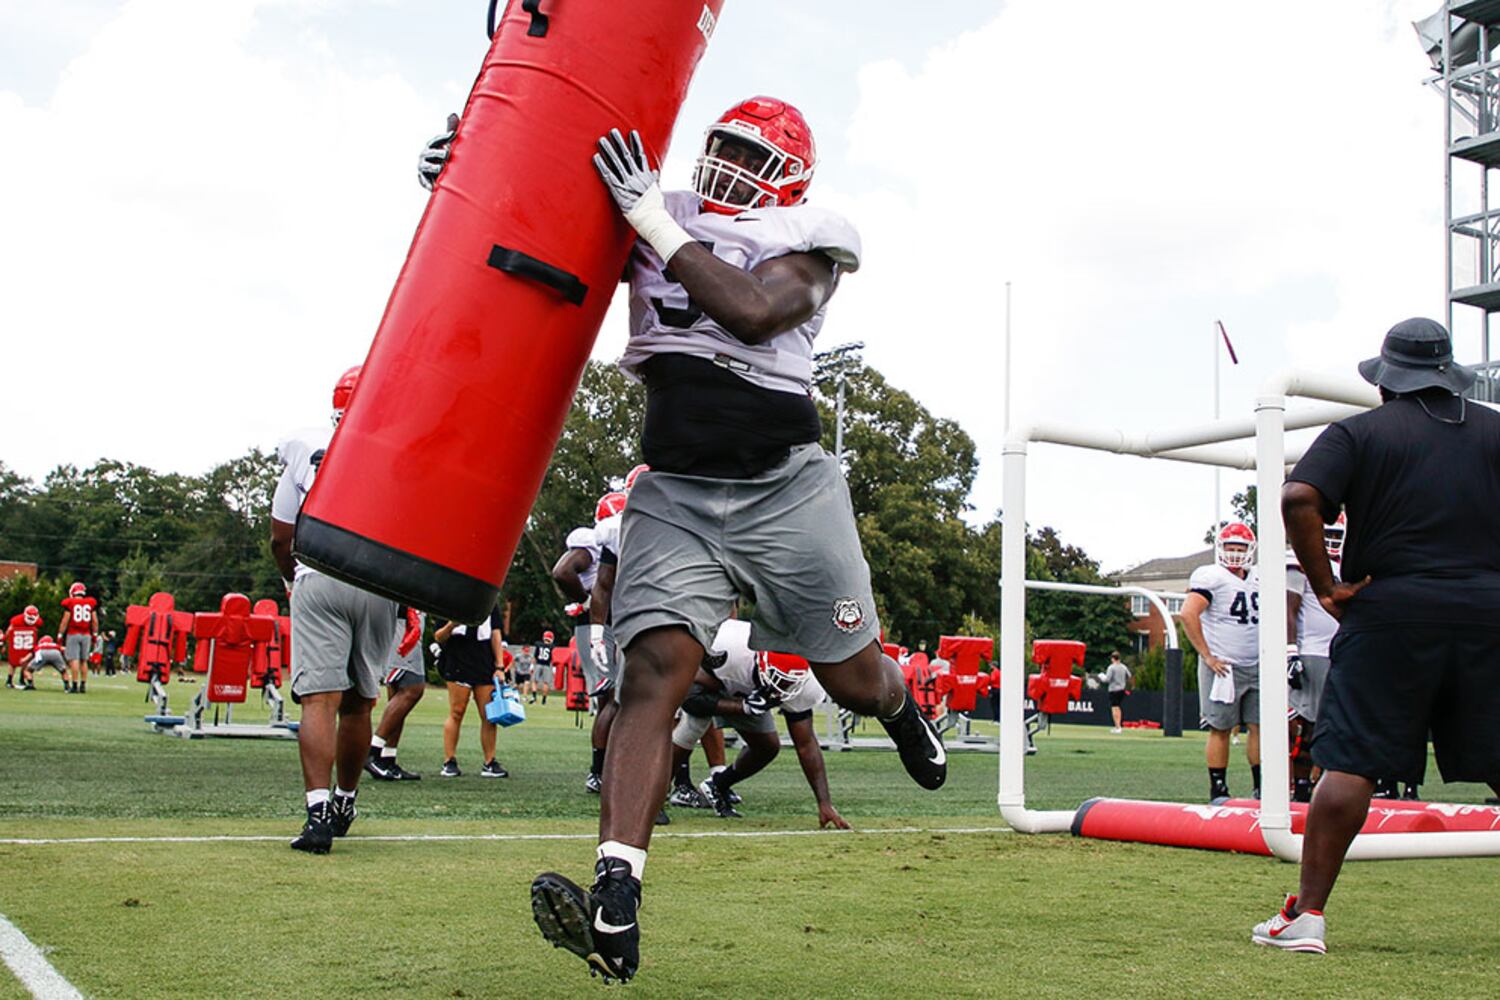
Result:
{"points": [[1418, 647]]}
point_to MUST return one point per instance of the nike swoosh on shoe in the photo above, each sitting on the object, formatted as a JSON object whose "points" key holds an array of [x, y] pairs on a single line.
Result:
{"points": [[605, 927]]}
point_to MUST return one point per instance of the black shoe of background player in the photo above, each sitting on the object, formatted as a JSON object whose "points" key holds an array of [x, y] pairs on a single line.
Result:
{"points": [[1413, 793], [450, 769], [376, 767], [317, 833], [921, 749], [493, 770], [341, 814], [662, 819], [592, 784], [718, 796], [1217, 792], [1386, 788], [399, 773], [1302, 790], [598, 926]]}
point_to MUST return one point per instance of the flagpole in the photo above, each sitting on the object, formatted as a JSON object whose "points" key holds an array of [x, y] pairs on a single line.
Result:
{"points": [[1007, 357], [1215, 340]]}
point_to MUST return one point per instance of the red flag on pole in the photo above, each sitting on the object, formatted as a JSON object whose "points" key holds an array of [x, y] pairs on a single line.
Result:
{"points": [[1230, 347]]}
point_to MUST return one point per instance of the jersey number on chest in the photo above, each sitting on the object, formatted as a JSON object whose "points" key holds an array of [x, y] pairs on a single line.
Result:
{"points": [[1243, 611]]}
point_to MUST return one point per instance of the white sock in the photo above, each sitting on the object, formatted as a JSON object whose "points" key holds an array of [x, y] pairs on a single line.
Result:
{"points": [[377, 742], [388, 753], [633, 856], [715, 770], [317, 797], [340, 793]]}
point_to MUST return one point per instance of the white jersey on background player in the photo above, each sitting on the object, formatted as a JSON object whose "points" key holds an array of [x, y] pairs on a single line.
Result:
{"points": [[1315, 626], [738, 674], [584, 538], [1231, 622], [300, 452], [664, 320]]}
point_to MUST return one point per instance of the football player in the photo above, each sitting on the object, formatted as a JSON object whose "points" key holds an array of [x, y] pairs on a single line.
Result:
{"points": [[76, 632], [745, 688], [1220, 616], [405, 683], [1310, 631], [729, 287], [343, 641], [47, 654], [541, 654], [20, 645]]}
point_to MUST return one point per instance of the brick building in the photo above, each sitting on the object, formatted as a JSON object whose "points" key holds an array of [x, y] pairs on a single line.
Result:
{"points": [[1169, 575]]}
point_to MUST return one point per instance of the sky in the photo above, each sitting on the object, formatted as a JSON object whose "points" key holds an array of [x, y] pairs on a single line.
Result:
{"points": [[203, 207]]}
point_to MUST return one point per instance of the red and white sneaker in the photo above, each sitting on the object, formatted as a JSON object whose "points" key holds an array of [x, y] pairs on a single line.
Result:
{"points": [[1304, 932]]}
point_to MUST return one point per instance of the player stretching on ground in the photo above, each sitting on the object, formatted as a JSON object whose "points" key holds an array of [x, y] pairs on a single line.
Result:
{"points": [[342, 642], [740, 499], [1310, 631], [1220, 617], [76, 632], [20, 645], [405, 683]]}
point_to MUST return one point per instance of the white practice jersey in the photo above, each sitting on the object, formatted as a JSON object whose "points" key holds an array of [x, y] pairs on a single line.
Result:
{"points": [[1230, 623], [583, 538], [300, 454], [1315, 626], [607, 533], [738, 672], [663, 320]]}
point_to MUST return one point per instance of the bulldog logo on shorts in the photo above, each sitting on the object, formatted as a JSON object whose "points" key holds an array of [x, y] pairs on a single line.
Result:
{"points": [[848, 616]]}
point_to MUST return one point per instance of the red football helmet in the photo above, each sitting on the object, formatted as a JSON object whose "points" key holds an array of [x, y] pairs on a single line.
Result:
{"points": [[547, 637], [782, 673], [31, 615], [609, 505], [1243, 541], [633, 475], [1333, 537], [342, 390], [759, 153], [77, 589]]}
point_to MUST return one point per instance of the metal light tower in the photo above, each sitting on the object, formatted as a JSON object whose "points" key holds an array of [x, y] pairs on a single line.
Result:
{"points": [[836, 361]]}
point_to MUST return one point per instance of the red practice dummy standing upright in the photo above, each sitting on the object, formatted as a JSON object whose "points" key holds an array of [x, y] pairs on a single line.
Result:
{"points": [[431, 475]]}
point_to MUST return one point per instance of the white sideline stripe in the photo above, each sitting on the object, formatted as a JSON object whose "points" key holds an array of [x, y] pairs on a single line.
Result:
{"points": [[426, 837], [31, 966]]}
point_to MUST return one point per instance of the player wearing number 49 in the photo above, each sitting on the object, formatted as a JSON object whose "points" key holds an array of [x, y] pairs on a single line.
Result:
{"points": [[1220, 617], [729, 284]]}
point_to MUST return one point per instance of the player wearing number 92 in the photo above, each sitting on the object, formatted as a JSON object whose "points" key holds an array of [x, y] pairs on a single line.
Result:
{"points": [[1220, 616]]}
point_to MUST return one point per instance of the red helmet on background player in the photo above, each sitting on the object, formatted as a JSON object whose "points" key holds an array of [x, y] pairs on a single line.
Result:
{"points": [[1333, 537], [77, 589], [31, 615], [547, 636], [1234, 546], [633, 475], [342, 390], [759, 153], [609, 505], [782, 673]]}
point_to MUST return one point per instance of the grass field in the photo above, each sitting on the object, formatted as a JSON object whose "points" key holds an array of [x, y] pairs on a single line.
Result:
{"points": [[931, 895]]}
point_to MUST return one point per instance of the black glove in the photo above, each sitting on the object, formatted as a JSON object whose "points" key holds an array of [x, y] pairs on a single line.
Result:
{"points": [[760, 701], [1294, 671], [435, 155]]}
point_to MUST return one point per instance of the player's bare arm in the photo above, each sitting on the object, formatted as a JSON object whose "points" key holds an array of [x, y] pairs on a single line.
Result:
{"points": [[1302, 508], [603, 593], [282, 535], [568, 570], [810, 756], [1192, 624], [755, 306]]}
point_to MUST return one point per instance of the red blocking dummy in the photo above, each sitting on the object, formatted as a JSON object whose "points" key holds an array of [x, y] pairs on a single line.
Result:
{"points": [[431, 475]]}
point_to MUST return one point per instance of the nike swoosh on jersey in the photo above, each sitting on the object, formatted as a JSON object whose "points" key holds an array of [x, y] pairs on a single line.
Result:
{"points": [[605, 927], [746, 218], [937, 744]]}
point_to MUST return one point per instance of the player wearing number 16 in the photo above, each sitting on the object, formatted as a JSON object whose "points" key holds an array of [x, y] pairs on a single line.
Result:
{"points": [[1220, 617]]}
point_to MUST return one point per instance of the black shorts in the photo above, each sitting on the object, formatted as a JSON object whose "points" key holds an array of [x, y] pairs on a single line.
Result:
{"points": [[468, 673], [1116, 698], [1389, 687]]}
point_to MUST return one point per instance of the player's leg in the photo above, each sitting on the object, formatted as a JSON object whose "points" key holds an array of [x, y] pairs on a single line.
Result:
{"points": [[404, 694], [599, 739], [1252, 754], [488, 732], [761, 743], [458, 704], [686, 733]]}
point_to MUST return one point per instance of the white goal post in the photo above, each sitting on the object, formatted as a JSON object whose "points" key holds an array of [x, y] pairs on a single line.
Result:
{"points": [[1221, 443]]}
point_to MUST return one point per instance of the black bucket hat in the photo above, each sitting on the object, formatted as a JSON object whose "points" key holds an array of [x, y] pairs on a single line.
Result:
{"points": [[1417, 354]]}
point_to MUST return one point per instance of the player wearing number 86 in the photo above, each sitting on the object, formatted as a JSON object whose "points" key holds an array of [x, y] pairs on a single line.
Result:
{"points": [[1220, 616]]}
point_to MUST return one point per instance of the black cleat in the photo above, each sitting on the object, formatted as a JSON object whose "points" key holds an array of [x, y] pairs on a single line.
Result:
{"points": [[688, 797], [341, 814], [450, 769], [592, 784], [1217, 792], [399, 773], [493, 770], [1302, 790], [922, 751], [598, 926], [376, 767], [662, 819], [317, 833], [718, 798]]}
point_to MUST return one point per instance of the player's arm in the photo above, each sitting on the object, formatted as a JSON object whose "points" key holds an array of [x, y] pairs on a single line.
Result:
{"points": [[444, 632], [1293, 608], [568, 570], [497, 650], [604, 592], [1302, 507], [1192, 624], [799, 726], [282, 535]]}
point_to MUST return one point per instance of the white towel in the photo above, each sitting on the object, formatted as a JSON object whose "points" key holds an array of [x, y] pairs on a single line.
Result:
{"points": [[1223, 689]]}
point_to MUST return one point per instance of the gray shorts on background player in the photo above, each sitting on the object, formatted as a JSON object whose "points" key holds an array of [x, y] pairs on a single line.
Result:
{"points": [[690, 545], [690, 728], [1304, 701], [77, 646], [597, 679], [341, 637], [1246, 707], [47, 658]]}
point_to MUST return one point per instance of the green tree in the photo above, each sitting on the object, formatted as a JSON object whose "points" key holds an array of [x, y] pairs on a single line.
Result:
{"points": [[1243, 505]]}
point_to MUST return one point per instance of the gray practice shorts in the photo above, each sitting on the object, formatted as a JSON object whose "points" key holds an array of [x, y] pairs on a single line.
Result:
{"points": [[1304, 702], [48, 658], [341, 637], [690, 728], [77, 646], [690, 545], [597, 680], [1246, 707]]}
